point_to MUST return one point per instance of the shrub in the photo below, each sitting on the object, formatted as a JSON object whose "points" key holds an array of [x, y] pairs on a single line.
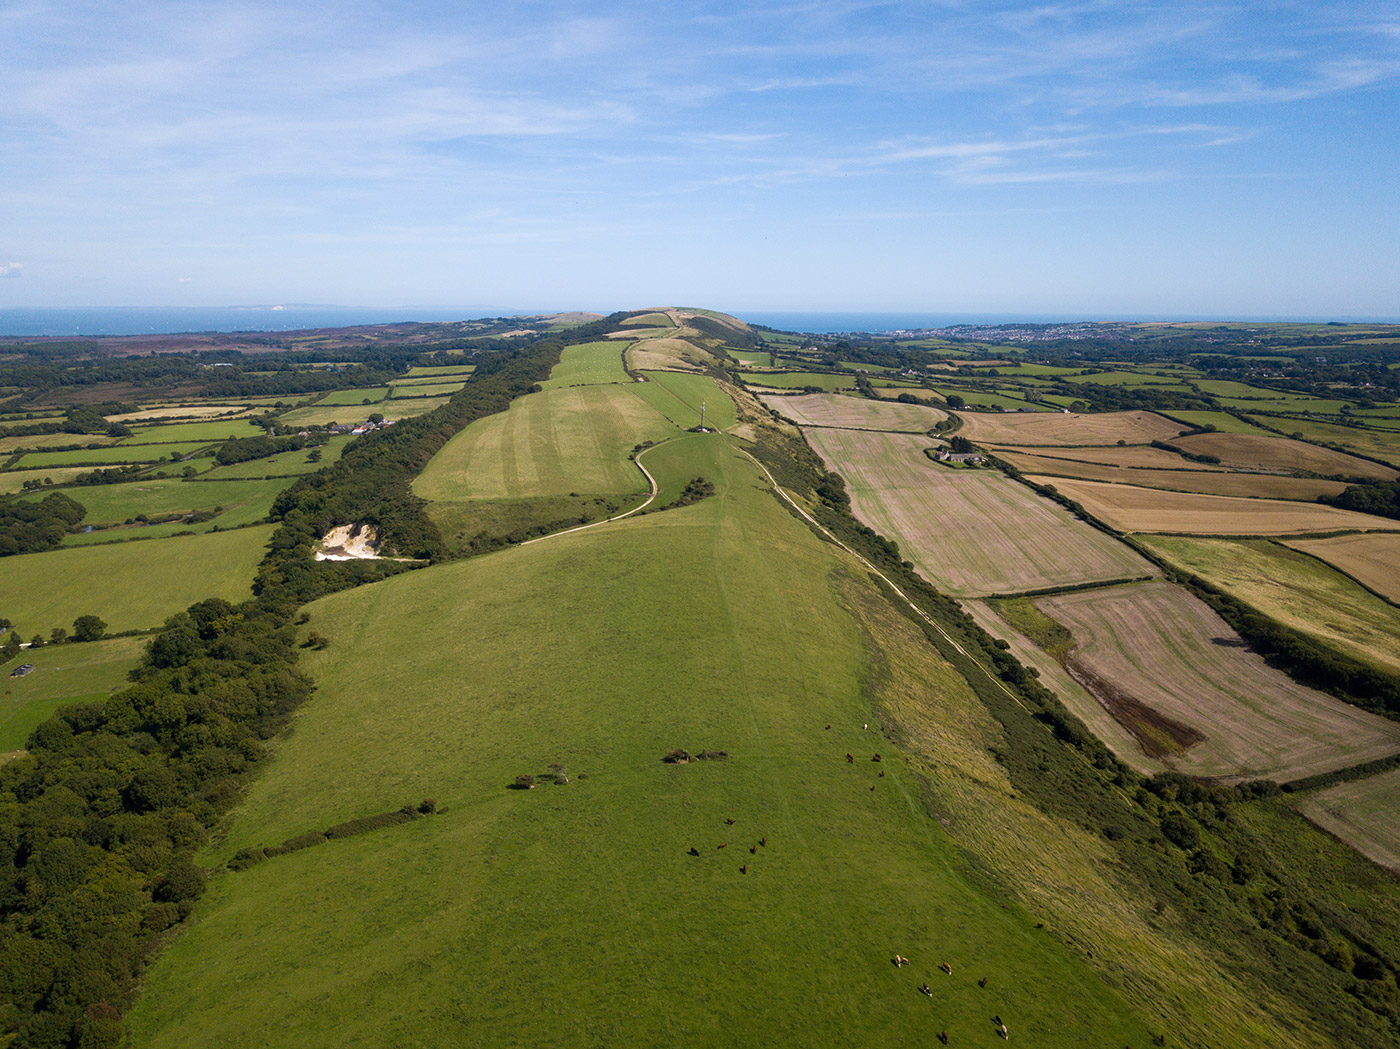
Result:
{"points": [[525, 782]]}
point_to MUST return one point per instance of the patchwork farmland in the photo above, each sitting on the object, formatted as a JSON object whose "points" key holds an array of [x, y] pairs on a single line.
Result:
{"points": [[972, 532], [1062, 428], [855, 413], [1372, 558]]}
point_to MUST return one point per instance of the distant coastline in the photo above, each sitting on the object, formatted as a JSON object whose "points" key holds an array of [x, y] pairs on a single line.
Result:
{"points": [[142, 320]]}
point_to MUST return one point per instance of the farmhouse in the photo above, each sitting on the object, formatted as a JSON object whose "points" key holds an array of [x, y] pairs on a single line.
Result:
{"points": [[945, 456]]}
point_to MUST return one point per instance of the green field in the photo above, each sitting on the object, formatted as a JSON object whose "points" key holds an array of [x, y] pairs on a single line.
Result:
{"points": [[437, 389], [285, 463], [1378, 444], [589, 364], [1224, 422], [985, 399], [130, 585], [798, 380], [648, 320], [574, 439], [318, 415], [572, 915], [366, 395], [761, 358], [115, 503], [679, 395], [12, 481], [145, 453], [446, 369], [1297, 590], [62, 674], [174, 432]]}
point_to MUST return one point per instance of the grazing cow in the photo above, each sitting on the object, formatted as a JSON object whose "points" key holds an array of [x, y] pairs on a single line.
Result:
{"points": [[1002, 1031], [744, 869], [899, 961], [828, 728], [753, 849], [943, 1037], [946, 968], [882, 773], [875, 758], [926, 989], [872, 786], [763, 842], [721, 844], [694, 851], [982, 982], [850, 760], [729, 821]]}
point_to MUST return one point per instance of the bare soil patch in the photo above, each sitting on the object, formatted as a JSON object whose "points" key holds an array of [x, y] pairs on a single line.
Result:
{"points": [[1065, 428], [1156, 655], [352, 542], [1132, 509]]}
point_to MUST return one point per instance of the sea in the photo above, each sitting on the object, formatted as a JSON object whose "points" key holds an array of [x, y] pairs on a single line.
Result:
{"points": [[141, 320]]}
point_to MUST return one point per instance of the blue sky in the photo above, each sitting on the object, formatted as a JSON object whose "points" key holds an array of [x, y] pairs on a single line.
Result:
{"points": [[1077, 158]]}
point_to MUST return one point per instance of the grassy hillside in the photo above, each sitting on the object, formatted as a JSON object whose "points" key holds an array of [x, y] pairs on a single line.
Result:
{"points": [[571, 914]]}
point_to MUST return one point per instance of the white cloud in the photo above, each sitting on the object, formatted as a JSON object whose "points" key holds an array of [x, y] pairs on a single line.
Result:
{"points": [[13, 269]]}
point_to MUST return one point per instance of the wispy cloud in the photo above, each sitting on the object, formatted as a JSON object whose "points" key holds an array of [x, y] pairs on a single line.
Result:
{"points": [[12, 270]]}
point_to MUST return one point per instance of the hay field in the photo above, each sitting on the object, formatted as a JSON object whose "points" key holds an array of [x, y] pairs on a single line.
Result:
{"points": [[855, 413], [1136, 456], [574, 439], [1062, 428], [12, 481], [1131, 509], [1362, 814], [588, 364], [1267, 452], [572, 915], [973, 533], [1177, 672], [797, 380], [665, 355], [1297, 590], [62, 674], [122, 453], [187, 411], [1206, 482], [1374, 559], [51, 440], [141, 583]]}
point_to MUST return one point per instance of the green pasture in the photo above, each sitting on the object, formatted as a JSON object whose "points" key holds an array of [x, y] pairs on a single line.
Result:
{"points": [[62, 674], [572, 915], [1230, 388], [445, 369], [755, 357], [39, 441], [1295, 589], [552, 443], [437, 389], [1125, 378], [169, 433], [678, 396], [112, 503], [976, 398], [353, 415], [589, 364], [130, 585], [648, 320], [122, 453], [797, 380], [364, 395], [285, 463], [12, 481], [1224, 422]]}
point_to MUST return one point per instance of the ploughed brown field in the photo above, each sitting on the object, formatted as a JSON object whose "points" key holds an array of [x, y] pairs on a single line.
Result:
{"points": [[1132, 509], [1064, 428], [1182, 681], [971, 532], [1260, 452], [855, 413], [1373, 559], [1205, 482]]}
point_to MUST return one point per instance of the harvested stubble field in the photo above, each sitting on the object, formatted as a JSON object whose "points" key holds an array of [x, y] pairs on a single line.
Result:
{"points": [[141, 583], [1297, 590], [1267, 452], [1131, 509], [798, 380], [1374, 558], [666, 354], [183, 411], [12, 481], [10, 445], [1136, 456], [1182, 680], [535, 913], [575, 439], [1362, 814], [973, 533], [855, 413], [1062, 428], [1206, 482]]}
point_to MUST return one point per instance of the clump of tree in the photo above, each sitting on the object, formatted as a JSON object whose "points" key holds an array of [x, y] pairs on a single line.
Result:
{"points": [[1381, 498], [27, 526]]}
